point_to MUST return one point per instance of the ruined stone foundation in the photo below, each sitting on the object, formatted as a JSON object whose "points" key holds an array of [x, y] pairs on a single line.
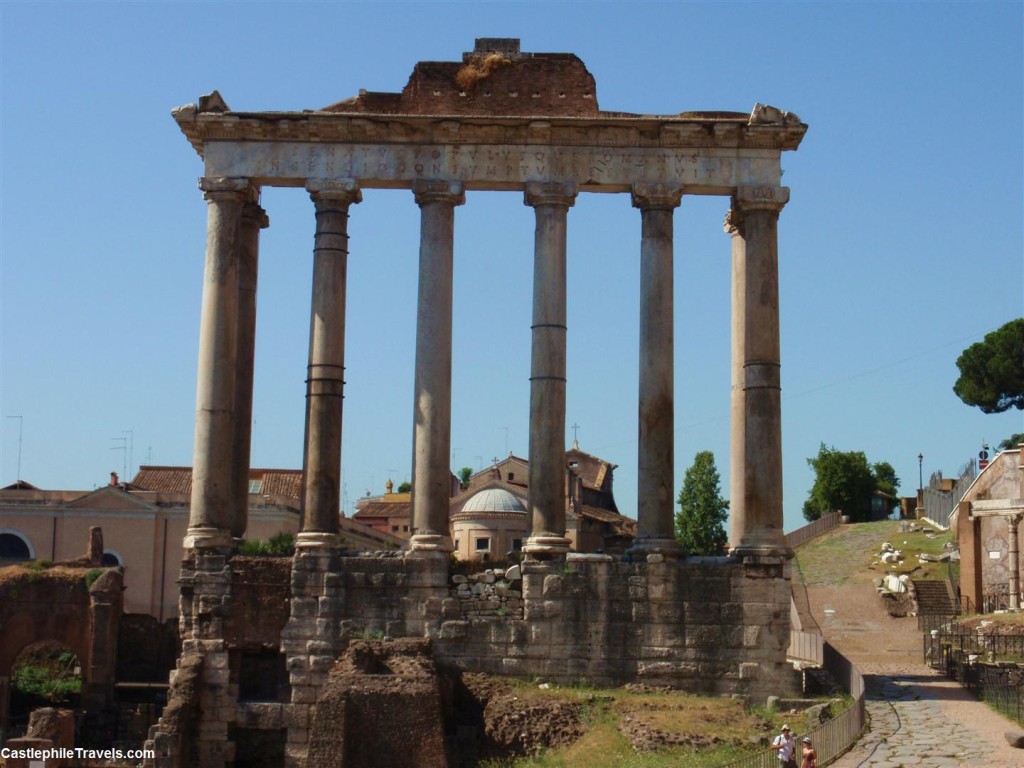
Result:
{"points": [[707, 625]]}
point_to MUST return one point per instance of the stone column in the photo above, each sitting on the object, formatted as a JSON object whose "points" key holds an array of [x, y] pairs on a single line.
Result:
{"points": [[431, 485], [1013, 521], [737, 518], [321, 463], [762, 410], [546, 494], [212, 505], [254, 218], [656, 463]]}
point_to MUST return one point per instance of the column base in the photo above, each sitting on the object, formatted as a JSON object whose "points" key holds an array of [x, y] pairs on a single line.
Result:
{"points": [[430, 544], [762, 545], [546, 547], [208, 537], [655, 545], [316, 540]]}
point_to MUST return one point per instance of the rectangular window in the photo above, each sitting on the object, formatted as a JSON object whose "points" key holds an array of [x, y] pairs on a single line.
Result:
{"points": [[483, 544], [394, 529], [254, 486], [517, 544]]}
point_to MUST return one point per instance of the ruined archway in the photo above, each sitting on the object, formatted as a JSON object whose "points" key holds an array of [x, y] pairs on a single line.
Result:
{"points": [[75, 608]]}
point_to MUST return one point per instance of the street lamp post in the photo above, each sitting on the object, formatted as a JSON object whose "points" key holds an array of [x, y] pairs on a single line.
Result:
{"points": [[920, 485]]}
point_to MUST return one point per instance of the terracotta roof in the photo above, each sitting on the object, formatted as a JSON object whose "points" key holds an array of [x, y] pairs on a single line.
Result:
{"points": [[383, 509], [164, 479], [607, 516], [591, 469], [355, 528], [280, 482], [20, 485], [273, 482]]}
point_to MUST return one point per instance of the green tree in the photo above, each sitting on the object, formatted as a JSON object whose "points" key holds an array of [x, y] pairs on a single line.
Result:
{"points": [[1012, 441], [404, 487], [843, 481], [887, 482], [464, 474], [992, 371], [700, 521]]}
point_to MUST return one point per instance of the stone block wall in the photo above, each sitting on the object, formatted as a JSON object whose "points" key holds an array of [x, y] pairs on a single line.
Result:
{"points": [[712, 625], [718, 626]]}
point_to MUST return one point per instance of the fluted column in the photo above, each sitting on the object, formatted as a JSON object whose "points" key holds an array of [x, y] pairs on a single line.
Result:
{"points": [[254, 218], [212, 505], [656, 425], [433, 389], [325, 380], [737, 438], [546, 494], [762, 409]]}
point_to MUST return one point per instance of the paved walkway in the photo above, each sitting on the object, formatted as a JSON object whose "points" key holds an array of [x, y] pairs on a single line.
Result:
{"points": [[918, 718]]}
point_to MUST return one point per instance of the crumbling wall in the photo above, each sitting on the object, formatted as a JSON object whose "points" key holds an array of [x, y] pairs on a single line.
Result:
{"points": [[376, 692], [713, 625]]}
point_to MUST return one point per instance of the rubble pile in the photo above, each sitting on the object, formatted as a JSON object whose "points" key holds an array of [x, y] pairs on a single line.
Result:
{"points": [[494, 592]]}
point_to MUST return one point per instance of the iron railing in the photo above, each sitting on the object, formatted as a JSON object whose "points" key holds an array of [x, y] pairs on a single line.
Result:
{"points": [[990, 683], [939, 645], [806, 646], [939, 505], [835, 737], [806, 533]]}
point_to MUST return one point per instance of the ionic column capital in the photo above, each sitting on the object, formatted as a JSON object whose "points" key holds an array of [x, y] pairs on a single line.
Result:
{"points": [[764, 198], [549, 193], [229, 187], [733, 224], [438, 191], [647, 195], [344, 191], [253, 212]]}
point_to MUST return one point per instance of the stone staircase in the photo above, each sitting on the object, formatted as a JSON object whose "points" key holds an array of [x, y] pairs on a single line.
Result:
{"points": [[932, 598]]}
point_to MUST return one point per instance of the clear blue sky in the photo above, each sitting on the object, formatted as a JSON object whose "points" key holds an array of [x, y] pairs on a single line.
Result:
{"points": [[901, 245]]}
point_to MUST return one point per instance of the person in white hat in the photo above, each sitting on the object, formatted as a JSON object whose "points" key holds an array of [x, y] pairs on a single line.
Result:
{"points": [[785, 745], [808, 754]]}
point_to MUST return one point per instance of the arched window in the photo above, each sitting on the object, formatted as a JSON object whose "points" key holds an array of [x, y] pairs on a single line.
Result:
{"points": [[111, 558], [14, 547]]}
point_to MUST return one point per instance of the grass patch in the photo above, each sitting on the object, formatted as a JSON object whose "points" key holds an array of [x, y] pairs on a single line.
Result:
{"points": [[709, 731], [848, 550]]}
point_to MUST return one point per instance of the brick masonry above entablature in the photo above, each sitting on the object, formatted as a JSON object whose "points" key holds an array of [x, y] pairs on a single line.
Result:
{"points": [[459, 121]]}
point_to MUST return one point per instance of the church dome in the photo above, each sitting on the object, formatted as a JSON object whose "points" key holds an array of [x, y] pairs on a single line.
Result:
{"points": [[494, 500]]}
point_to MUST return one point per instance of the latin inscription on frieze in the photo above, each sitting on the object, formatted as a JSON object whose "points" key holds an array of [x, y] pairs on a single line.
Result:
{"points": [[496, 166]]}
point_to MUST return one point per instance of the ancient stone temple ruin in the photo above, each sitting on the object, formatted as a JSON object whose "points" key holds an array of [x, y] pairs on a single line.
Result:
{"points": [[259, 643]]}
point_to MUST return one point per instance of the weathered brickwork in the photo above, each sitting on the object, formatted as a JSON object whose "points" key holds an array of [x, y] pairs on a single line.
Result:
{"points": [[494, 79]]}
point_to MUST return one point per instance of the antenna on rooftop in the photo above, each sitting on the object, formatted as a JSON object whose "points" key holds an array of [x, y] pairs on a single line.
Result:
{"points": [[21, 424], [123, 447], [131, 449]]}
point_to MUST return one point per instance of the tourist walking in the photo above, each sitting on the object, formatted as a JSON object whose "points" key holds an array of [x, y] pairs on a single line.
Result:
{"points": [[785, 745], [808, 754]]}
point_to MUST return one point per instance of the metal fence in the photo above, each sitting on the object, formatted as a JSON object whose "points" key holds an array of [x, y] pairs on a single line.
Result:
{"points": [[938, 645], [806, 646], [833, 738], [991, 683], [803, 535], [939, 505]]}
